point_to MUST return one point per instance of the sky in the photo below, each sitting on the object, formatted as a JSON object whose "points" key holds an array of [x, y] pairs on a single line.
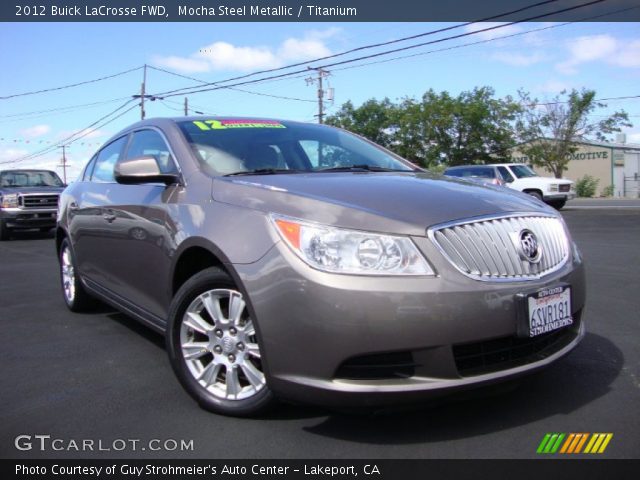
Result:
{"points": [[550, 58]]}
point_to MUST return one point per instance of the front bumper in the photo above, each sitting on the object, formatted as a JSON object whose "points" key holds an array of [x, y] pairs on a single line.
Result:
{"points": [[551, 197], [355, 340], [20, 218]]}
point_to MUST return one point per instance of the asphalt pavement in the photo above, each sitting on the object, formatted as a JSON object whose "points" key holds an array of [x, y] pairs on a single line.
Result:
{"points": [[103, 378]]}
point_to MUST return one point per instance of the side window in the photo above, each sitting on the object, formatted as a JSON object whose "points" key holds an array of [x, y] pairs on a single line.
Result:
{"points": [[107, 158], [506, 176], [86, 173], [150, 143]]}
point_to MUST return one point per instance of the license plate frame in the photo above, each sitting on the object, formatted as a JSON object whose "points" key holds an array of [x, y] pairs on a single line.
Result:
{"points": [[532, 324]]}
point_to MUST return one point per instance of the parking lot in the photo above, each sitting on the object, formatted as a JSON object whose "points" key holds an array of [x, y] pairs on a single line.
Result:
{"points": [[103, 377]]}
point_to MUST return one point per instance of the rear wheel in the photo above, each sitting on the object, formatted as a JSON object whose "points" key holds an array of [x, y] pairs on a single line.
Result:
{"points": [[73, 292], [213, 346]]}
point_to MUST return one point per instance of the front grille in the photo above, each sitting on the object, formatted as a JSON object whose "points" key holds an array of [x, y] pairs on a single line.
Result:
{"points": [[378, 367], [489, 249], [39, 201], [509, 352], [565, 188]]}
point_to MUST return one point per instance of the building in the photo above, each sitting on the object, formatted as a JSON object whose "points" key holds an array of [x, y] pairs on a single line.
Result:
{"points": [[611, 163]]}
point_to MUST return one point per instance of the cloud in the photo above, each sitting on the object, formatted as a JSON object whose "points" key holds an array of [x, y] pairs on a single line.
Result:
{"points": [[226, 56], [491, 34], [35, 131], [553, 87], [11, 154], [86, 134], [604, 48], [518, 59]]}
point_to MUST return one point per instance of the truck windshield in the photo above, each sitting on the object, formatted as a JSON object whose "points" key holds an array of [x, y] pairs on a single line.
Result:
{"points": [[245, 146], [30, 178], [522, 171]]}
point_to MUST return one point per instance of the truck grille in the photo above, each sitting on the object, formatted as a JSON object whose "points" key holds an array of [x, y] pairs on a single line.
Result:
{"points": [[489, 249], [565, 187], [39, 201]]}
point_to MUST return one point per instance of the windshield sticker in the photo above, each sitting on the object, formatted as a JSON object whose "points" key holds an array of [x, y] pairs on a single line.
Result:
{"points": [[224, 124]]}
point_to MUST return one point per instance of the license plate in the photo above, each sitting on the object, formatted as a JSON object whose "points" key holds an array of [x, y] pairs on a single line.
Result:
{"points": [[548, 310]]}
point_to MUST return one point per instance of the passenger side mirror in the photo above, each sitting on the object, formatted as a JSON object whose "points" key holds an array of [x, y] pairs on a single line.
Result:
{"points": [[140, 170]]}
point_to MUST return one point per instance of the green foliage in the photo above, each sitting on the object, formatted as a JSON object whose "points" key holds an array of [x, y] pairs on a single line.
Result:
{"points": [[473, 127], [607, 191], [549, 130], [586, 186]]}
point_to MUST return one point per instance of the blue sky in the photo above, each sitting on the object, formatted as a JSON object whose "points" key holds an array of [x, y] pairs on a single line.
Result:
{"points": [[600, 56]]}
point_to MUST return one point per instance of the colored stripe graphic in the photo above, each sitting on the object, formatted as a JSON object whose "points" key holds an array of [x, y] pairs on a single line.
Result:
{"points": [[573, 443], [550, 443], [598, 442]]}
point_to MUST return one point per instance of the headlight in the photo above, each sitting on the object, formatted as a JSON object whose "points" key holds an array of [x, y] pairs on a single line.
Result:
{"points": [[9, 201], [337, 250], [554, 187]]}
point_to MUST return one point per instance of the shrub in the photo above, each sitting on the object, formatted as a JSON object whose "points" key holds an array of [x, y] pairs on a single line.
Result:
{"points": [[608, 191], [586, 186]]}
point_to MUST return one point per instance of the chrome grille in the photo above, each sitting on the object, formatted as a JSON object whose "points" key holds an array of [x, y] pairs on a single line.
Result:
{"points": [[488, 249], [39, 201]]}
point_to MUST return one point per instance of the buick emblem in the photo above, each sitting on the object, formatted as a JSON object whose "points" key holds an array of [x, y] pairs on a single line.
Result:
{"points": [[530, 250]]}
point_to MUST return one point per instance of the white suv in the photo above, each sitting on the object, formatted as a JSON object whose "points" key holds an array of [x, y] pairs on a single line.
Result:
{"points": [[554, 191]]}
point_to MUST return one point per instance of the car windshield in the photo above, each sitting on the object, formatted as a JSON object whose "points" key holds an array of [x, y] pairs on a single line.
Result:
{"points": [[522, 171], [30, 178], [236, 147], [482, 172]]}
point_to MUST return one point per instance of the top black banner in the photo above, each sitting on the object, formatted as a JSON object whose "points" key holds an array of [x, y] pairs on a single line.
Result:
{"points": [[319, 10]]}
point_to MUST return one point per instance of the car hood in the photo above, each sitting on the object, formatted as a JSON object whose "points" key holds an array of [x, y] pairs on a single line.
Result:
{"points": [[30, 190], [403, 203]]}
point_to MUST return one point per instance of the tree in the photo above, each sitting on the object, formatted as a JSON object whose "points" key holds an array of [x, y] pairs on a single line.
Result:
{"points": [[548, 131], [373, 120], [473, 127]]}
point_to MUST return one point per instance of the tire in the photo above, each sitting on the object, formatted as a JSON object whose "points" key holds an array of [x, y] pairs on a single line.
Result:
{"points": [[218, 361], [4, 231], [75, 296], [558, 204], [535, 194]]}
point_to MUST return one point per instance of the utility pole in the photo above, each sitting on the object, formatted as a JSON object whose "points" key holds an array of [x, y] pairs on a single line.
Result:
{"points": [[64, 163], [310, 81], [186, 106], [142, 92]]}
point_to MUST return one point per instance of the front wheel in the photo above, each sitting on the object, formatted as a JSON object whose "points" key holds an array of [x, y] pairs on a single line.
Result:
{"points": [[213, 346], [73, 292], [558, 204]]}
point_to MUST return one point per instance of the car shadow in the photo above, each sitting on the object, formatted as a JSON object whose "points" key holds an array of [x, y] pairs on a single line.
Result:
{"points": [[31, 234], [580, 378]]}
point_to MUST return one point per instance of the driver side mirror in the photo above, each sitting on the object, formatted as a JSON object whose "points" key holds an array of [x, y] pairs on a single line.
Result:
{"points": [[140, 170]]}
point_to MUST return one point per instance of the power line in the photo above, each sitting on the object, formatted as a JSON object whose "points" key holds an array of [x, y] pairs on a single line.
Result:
{"points": [[376, 45], [379, 54], [62, 109], [230, 88], [70, 139], [71, 85]]}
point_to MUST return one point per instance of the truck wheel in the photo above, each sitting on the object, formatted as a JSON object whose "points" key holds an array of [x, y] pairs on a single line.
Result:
{"points": [[535, 194], [213, 346], [73, 292], [4, 231]]}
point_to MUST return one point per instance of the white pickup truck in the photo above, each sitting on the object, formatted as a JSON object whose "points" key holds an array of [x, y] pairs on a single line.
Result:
{"points": [[554, 191]]}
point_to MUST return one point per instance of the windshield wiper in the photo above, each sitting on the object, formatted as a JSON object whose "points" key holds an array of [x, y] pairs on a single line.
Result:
{"points": [[265, 171], [364, 166]]}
